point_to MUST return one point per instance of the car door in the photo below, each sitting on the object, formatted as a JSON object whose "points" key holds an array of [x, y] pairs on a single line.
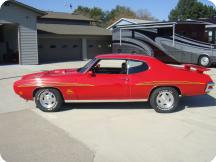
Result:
{"points": [[107, 83], [140, 76]]}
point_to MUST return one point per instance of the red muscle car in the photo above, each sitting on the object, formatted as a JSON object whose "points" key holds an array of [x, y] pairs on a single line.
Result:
{"points": [[116, 78]]}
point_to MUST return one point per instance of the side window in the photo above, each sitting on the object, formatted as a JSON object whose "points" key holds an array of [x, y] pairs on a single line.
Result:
{"points": [[165, 32], [136, 66], [210, 36], [110, 66], [111, 63]]}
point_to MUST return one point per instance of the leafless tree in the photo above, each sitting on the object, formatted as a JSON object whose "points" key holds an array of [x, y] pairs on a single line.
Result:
{"points": [[145, 14]]}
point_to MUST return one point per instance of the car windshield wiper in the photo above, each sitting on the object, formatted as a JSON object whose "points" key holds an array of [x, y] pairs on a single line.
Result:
{"points": [[78, 70]]}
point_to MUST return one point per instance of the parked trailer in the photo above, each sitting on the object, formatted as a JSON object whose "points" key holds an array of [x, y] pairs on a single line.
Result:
{"points": [[187, 41]]}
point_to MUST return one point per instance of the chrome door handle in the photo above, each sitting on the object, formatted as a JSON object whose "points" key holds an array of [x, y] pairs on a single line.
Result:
{"points": [[125, 79]]}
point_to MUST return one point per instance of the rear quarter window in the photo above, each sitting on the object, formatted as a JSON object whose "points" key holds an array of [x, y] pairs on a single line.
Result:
{"points": [[137, 66]]}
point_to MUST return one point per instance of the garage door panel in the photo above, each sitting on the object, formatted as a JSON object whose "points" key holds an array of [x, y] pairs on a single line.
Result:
{"points": [[96, 47], [50, 50]]}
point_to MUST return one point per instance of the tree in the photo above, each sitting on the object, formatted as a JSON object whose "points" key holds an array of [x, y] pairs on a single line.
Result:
{"points": [[145, 14], [106, 18], [190, 9], [118, 13], [94, 13]]}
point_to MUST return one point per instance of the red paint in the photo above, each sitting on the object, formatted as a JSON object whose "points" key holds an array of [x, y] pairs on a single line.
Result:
{"points": [[89, 86]]}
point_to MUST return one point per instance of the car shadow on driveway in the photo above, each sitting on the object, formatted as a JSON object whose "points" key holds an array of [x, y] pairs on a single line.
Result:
{"points": [[189, 102], [196, 102], [106, 105]]}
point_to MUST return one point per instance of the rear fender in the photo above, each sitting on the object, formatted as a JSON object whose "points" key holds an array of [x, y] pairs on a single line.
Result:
{"points": [[156, 87]]}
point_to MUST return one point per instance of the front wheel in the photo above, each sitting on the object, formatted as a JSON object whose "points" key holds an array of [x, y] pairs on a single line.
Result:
{"points": [[204, 61], [48, 100], [164, 99]]}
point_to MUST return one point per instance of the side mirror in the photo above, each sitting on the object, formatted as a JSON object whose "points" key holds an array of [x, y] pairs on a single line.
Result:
{"points": [[97, 66], [90, 73]]}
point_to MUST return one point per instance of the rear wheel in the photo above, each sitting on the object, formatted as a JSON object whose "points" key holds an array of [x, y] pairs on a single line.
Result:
{"points": [[164, 99], [204, 61], [48, 100]]}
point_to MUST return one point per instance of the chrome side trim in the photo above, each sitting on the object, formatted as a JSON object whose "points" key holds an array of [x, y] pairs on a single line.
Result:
{"points": [[95, 101], [208, 85]]}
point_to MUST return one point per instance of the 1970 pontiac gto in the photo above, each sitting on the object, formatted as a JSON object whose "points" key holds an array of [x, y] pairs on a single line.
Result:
{"points": [[116, 78]]}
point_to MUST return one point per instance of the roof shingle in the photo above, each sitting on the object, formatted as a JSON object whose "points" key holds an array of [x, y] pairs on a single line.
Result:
{"points": [[74, 29], [64, 15]]}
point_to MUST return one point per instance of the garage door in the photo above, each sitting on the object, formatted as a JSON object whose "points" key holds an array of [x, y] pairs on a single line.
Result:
{"points": [[96, 47], [52, 50]]}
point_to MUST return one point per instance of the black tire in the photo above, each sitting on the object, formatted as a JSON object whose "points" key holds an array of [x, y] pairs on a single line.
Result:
{"points": [[204, 61], [164, 99], [48, 100]]}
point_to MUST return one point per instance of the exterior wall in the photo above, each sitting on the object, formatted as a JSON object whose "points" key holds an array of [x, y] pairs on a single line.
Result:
{"points": [[84, 49], [68, 22], [196, 32], [27, 31]]}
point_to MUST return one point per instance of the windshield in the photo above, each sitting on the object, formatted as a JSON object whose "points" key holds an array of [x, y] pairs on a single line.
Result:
{"points": [[81, 70]]}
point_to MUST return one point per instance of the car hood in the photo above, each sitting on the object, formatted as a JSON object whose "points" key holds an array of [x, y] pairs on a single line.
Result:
{"points": [[53, 73]]}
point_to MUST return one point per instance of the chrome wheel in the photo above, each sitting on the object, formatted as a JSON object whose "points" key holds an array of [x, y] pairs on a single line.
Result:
{"points": [[47, 99], [204, 61], [165, 100]]}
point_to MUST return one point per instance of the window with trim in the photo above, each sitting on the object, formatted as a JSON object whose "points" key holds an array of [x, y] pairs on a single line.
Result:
{"points": [[165, 32], [110, 66], [137, 66], [209, 36]]}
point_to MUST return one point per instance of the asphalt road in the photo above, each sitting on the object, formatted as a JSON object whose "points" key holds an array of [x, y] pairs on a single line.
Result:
{"points": [[104, 131]]}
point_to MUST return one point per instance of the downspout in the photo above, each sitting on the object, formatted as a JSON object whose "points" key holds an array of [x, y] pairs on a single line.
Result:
{"points": [[173, 35]]}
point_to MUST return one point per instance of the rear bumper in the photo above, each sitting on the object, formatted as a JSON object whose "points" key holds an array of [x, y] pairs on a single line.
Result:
{"points": [[209, 86]]}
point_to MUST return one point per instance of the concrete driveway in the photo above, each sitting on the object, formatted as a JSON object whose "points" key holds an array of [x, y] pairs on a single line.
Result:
{"points": [[112, 131], [26, 136]]}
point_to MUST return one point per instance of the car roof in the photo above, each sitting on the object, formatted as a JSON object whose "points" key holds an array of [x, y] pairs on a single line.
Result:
{"points": [[127, 56]]}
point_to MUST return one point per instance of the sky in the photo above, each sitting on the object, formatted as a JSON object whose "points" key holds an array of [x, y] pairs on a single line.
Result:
{"points": [[159, 8]]}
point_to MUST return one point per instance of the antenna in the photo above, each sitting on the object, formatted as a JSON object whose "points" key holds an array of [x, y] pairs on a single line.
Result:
{"points": [[69, 6]]}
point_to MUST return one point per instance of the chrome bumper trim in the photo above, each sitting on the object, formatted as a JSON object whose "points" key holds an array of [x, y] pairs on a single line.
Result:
{"points": [[95, 101], [208, 85]]}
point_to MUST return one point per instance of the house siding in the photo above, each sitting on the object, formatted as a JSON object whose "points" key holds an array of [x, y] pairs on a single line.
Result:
{"points": [[27, 31]]}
